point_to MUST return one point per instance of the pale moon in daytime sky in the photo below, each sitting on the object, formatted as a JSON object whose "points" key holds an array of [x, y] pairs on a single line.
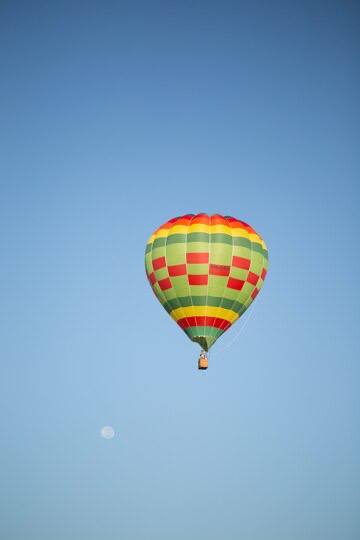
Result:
{"points": [[107, 432]]}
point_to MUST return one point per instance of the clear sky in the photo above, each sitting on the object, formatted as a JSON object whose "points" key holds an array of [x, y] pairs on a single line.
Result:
{"points": [[114, 117]]}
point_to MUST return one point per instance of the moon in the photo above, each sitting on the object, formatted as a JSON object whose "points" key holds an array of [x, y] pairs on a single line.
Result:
{"points": [[107, 432]]}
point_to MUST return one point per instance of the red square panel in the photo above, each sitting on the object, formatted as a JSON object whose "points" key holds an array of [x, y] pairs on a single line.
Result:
{"points": [[165, 284], [177, 270], [197, 258], [234, 283], [263, 273], [241, 262], [219, 270], [198, 280], [252, 278], [159, 263], [254, 293]]}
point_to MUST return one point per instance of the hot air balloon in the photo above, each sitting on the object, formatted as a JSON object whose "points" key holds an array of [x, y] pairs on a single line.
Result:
{"points": [[205, 270]]}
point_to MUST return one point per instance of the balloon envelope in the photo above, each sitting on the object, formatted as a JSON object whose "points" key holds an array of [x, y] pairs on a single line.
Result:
{"points": [[205, 271]]}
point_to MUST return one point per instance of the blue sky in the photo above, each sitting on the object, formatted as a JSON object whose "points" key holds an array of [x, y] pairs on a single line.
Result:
{"points": [[116, 116]]}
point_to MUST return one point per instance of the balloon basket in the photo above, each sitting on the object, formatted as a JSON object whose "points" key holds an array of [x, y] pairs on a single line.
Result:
{"points": [[203, 361]]}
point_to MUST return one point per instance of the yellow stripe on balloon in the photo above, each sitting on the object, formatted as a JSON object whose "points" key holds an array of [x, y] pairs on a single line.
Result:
{"points": [[201, 311], [237, 232], [220, 229], [161, 233], [202, 228]]}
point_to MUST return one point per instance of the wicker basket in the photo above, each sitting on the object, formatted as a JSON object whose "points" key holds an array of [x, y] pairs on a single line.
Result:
{"points": [[203, 362]]}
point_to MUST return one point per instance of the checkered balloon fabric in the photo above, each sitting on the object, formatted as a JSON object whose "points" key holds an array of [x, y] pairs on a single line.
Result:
{"points": [[206, 271]]}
